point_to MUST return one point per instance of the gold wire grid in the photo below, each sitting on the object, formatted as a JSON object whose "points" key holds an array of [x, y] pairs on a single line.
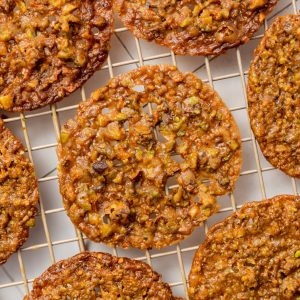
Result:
{"points": [[54, 113]]}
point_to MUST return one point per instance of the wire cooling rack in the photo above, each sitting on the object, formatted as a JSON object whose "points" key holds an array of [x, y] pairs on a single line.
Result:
{"points": [[55, 238]]}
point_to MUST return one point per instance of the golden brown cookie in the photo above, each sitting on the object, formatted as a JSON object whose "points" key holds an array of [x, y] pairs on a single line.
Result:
{"points": [[114, 167], [253, 254], [49, 48], [194, 27], [274, 94], [18, 194], [91, 276]]}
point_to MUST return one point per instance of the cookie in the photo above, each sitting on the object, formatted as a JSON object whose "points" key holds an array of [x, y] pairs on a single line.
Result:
{"points": [[194, 27], [18, 194], [274, 94], [91, 275], [116, 158], [253, 254], [49, 48]]}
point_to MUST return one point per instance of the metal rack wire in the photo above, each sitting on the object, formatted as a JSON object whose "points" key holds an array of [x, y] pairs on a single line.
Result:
{"points": [[82, 242]]}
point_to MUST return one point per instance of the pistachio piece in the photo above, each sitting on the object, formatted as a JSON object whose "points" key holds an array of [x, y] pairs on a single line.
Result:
{"points": [[69, 7], [186, 22], [254, 4], [233, 145], [5, 34], [194, 100], [94, 218], [57, 3], [3, 48], [64, 136], [102, 120], [30, 223], [6, 102], [177, 197], [119, 117]]}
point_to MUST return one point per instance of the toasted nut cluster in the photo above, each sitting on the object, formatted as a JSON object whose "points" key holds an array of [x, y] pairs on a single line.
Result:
{"points": [[274, 94], [144, 130], [91, 276], [49, 48], [195, 27], [18, 194], [253, 254]]}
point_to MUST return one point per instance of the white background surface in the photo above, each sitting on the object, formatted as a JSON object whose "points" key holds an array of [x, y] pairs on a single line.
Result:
{"points": [[258, 178]]}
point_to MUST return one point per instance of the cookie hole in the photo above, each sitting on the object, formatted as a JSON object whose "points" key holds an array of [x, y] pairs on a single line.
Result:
{"points": [[105, 111], [71, 64], [250, 221], [146, 108], [52, 19], [248, 264], [282, 275], [38, 65], [126, 125], [95, 30], [138, 185], [47, 51], [106, 219], [117, 163], [76, 12], [16, 9], [179, 141], [160, 137], [171, 181], [166, 119], [206, 181], [153, 105], [139, 88], [179, 105], [178, 158], [152, 215], [97, 290]]}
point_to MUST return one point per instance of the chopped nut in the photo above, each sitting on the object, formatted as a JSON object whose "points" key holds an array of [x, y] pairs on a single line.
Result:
{"points": [[118, 178], [5, 34], [69, 7], [194, 100], [94, 218], [105, 230], [119, 117], [30, 223], [186, 22], [193, 159], [64, 136], [233, 145], [177, 197], [254, 4], [3, 49], [204, 126], [114, 132], [102, 120], [194, 211], [57, 3], [6, 102], [33, 83]]}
